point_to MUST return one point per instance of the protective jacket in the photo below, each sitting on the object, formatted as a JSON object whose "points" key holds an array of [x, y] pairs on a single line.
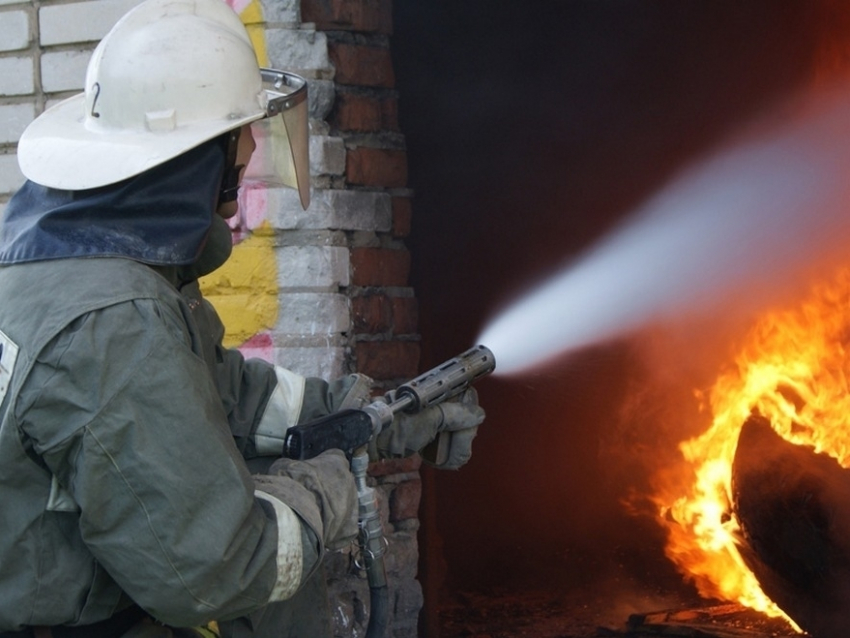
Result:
{"points": [[124, 424], [117, 433]]}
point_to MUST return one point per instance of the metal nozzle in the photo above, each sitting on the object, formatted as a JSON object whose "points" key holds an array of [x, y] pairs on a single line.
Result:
{"points": [[446, 380]]}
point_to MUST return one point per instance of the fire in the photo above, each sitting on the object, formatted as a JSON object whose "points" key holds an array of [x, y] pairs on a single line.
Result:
{"points": [[793, 369]]}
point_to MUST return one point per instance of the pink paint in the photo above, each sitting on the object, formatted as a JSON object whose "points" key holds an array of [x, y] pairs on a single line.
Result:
{"points": [[259, 346], [253, 204], [238, 5]]}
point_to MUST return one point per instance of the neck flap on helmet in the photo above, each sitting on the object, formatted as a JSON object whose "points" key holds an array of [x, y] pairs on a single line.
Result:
{"points": [[161, 217]]}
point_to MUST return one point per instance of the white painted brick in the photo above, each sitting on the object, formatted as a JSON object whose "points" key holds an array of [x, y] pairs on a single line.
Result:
{"points": [[13, 120], [53, 102], [325, 362], [313, 313], [14, 30], [64, 70], [358, 210], [334, 209], [327, 155], [297, 50], [16, 76], [11, 178], [313, 266], [80, 21], [286, 11], [320, 96]]}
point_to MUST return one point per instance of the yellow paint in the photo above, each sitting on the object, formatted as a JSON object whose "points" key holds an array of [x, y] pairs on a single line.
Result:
{"points": [[252, 18], [244, 290]]}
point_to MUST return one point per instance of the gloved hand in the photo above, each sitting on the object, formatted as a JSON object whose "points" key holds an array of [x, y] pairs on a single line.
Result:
{"points": [[409, 433], [328, 478], [326, 397]]}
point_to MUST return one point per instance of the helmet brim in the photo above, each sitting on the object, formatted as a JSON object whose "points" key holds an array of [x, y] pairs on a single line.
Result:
{"points": [[57, 149]]}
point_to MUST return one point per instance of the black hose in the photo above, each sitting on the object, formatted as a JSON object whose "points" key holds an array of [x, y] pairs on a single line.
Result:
{"points": [[379, 612], [373, 546]]}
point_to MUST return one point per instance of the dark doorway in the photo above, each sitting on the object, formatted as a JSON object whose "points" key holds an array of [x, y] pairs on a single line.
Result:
{"points": [[531, 129]]}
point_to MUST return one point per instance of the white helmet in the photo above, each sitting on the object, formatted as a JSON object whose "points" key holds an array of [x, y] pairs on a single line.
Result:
{"points": [[170, 75]]}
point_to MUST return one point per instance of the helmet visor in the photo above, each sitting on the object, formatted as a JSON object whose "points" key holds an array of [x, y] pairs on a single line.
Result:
{"points": [[283, 136]]}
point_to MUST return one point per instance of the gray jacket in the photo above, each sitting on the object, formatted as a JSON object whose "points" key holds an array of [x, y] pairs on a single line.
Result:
{"points": [[123, 429]]}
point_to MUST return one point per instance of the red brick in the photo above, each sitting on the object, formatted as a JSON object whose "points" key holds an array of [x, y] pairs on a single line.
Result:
{"points": [[378, 314], [402, 216], [357, 113], [380, 267], [405, 314], [376, 167], [362, 65], [372, 314], [389, 114], [404, 501], [384, 360], [365, 113], [370, 16]]}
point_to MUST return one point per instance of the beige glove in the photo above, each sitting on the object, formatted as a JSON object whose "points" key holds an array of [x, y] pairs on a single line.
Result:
{"points": [[328, 478], [410, 433], [326, 397]]}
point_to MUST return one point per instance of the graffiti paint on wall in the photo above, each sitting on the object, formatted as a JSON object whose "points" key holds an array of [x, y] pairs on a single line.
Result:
{"points": [[245, 291], [252, 17]]}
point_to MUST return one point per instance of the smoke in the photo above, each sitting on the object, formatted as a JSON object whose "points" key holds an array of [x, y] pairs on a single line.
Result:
{"points": [[745, 221]]}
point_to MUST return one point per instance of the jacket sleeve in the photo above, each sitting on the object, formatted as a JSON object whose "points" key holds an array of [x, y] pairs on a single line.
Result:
{"points": [[128, 420], [262, 401]]}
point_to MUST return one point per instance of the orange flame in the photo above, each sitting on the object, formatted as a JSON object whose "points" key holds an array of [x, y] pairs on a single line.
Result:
{"points": [[793, 369]]}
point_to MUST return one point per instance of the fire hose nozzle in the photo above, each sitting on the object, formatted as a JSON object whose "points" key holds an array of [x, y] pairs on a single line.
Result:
{"points": [[445, 381]]}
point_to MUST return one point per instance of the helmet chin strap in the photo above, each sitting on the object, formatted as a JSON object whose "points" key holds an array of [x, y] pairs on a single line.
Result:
{"points": [[230, 179]]}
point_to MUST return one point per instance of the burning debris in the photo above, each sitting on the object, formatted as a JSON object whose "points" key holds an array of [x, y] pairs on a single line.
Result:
{"points": [[718, 621], [550, 616], [793, 506], [766, 526]]}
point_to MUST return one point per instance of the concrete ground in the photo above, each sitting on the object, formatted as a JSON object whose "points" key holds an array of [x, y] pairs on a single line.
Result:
{"points": [[589, 614]]}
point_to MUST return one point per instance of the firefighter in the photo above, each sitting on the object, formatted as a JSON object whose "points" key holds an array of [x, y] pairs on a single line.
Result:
{"points": [[129, 436]]}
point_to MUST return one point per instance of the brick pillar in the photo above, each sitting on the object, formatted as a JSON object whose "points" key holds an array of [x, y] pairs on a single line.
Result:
{"points": [[384, 337]]}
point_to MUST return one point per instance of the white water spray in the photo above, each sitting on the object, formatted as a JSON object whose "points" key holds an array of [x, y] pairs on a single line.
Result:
{"points": [[753, 212]]}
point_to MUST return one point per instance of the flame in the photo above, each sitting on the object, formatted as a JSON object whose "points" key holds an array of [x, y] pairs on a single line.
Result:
{"points": [[793, 369]]}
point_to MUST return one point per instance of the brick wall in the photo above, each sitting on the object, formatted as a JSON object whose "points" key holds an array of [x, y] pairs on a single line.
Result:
{"points": [[323, 291]]}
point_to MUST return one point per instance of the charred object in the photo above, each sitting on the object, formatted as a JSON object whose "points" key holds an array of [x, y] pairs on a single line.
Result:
{"points": [[793, 507]]}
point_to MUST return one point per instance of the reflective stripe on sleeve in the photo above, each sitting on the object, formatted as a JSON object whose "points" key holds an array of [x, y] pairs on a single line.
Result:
{"points": [[8, 355], [290, 553], [281, 412]]}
